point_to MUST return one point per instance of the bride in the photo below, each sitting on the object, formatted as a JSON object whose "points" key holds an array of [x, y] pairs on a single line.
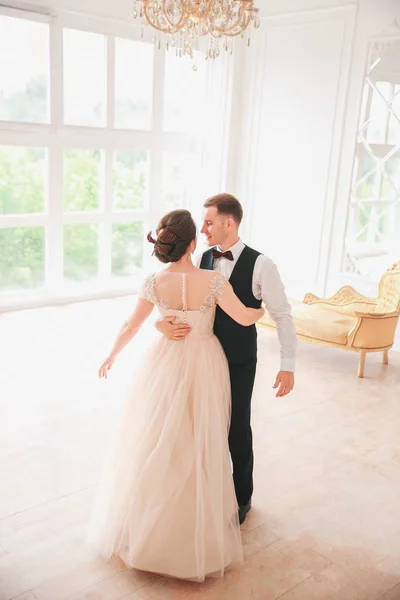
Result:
{"points": [[167, 502]]}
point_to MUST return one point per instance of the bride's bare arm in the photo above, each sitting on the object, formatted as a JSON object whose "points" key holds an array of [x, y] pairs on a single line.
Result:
{"points": [[143, 310], [231, 304]]}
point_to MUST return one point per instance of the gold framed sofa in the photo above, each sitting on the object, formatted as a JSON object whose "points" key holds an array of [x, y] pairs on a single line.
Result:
{"points": [[350, 320]]}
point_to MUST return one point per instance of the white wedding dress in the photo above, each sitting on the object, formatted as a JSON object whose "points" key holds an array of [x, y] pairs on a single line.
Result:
{"points": [[167, 502]]}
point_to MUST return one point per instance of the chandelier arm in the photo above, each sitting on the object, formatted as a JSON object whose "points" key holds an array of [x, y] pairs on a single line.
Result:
{"points": [[151, 22], [229, 33], [242, 21], [182, 21], [156, 24]]}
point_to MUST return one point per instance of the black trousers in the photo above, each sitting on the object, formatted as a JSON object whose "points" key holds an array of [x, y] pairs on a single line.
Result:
{"points": [[240, 435]]}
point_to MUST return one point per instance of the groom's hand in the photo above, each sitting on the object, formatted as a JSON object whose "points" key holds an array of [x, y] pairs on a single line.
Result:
{"points": [[285, 382], [172, 331]]}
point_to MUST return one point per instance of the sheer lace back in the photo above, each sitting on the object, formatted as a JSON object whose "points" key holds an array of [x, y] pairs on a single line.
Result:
{"points": [[190, 297]]}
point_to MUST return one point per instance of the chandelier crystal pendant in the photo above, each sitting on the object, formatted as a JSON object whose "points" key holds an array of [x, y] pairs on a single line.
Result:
{"points": [[184, 22]]}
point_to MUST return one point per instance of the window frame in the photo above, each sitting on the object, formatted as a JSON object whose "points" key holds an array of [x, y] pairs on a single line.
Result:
{"points": [[352, 249], [55, 137]]}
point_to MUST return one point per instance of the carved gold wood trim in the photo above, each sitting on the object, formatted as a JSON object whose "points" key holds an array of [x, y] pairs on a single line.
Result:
{"points": [[393, 271], [346, 295]]}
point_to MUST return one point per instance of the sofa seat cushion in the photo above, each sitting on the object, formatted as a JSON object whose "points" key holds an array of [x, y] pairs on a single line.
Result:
{"points": [[315, 322]]}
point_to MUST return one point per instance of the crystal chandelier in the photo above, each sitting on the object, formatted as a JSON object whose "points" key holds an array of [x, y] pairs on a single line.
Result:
{"points": [[184, 22]]}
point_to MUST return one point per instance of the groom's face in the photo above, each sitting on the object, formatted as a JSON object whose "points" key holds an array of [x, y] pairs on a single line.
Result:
{"points": [[214, 227]]}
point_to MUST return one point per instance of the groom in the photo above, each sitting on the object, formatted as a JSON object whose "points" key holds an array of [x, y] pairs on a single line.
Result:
{"points": [[255, 279]]}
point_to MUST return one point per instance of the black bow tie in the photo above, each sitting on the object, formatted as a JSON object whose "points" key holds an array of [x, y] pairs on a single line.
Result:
{"points": [[217, 254]]}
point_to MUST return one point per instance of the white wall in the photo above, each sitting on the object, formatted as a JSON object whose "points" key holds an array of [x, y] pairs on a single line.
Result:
{"points": [[299, 92]]}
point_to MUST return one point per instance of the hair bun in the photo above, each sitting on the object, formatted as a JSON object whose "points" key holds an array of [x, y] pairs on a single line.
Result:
{"points": [[166, 242], [175, 232]]}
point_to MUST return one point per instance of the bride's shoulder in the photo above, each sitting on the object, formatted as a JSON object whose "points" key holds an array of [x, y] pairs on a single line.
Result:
{"points": [[206, 273], [209, 276], [215, 281], [148, 281], [216, 276], [154, 276]]}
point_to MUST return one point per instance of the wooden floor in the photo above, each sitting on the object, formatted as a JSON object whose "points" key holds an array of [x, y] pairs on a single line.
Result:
{"points": [[326, 516]]}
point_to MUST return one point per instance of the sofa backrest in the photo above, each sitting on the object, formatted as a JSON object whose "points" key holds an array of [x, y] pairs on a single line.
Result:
{"points": [[389, 291]]}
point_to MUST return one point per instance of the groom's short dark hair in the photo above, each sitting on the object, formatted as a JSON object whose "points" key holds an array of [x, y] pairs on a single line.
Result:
{"points": [[226, 204]]}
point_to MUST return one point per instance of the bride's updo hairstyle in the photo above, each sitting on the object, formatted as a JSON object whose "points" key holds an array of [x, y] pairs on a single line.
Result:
{"points": [[175, 232]]}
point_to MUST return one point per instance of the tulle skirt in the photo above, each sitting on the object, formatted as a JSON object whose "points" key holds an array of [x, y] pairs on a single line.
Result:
{"points": [[167, 503]]}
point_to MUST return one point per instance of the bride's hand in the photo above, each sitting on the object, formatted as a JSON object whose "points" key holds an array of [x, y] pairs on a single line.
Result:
{"points": [[106, 366]]}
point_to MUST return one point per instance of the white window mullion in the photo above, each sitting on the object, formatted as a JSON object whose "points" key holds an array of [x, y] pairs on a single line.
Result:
{"points": [[128, 216], [56, 75], [110, 81], [105, 251], [54, 249], [155, 183], [105, 231], [92, 137], [158, 90], [84, 217], [29, 220], [106, 226], [54, 260]]}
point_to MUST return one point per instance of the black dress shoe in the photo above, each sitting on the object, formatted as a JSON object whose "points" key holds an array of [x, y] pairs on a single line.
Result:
{"points": [[243, 510]]}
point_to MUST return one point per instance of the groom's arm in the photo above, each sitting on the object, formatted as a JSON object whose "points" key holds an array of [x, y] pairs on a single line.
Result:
{"points": [[268, 287]]}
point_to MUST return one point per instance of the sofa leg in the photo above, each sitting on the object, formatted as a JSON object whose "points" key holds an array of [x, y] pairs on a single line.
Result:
{"points": [[361, 363], [385, 357]]}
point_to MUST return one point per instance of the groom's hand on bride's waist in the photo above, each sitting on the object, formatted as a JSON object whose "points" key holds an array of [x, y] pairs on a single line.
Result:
{"points": [[172, 331]]}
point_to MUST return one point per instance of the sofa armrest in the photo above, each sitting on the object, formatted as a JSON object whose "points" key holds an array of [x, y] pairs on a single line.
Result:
{"points": [[373, 331], [345, 295]]}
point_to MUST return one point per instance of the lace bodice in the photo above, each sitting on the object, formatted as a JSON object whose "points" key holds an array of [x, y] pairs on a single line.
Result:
{"points": [[201, 318]]}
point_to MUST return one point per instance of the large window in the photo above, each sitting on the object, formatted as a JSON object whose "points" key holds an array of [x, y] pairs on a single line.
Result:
{"points": [[373, 228], [184, 95], [85, 78], [24, 70], [100, 133], [134, 74]]}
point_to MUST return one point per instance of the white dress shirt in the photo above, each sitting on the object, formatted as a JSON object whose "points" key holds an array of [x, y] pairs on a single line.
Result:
{"points": [[268, 287]]}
